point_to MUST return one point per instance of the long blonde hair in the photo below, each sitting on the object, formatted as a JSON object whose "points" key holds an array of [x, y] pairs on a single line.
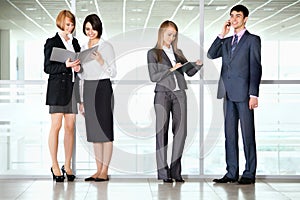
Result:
{"points": [[160, 39]]}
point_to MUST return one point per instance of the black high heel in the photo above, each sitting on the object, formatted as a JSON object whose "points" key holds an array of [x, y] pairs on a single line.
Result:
{"points": [[57, 178], [70, 177]]}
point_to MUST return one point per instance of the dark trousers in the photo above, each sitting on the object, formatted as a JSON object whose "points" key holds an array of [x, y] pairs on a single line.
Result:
{"points": [[235, 111], [164, 104]]}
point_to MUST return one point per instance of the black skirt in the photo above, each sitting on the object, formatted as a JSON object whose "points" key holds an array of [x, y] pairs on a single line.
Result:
{"points": [[98, 104], [70, 108]]}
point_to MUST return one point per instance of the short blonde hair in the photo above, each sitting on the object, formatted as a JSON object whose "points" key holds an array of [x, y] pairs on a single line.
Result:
{"points": [[60, 19]]}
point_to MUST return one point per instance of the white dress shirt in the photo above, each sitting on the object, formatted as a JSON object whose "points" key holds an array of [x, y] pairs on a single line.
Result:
{"points": [[171, 56], [93, 70], [69, 46]]}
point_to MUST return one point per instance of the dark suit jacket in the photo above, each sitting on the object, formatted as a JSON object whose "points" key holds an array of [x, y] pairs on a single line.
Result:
{"points": [[60, 85], [241, 72], [161, 74]]}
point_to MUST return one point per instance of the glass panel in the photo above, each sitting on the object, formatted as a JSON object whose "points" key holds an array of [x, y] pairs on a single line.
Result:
{"points": [[131, 26], [277, 134]]}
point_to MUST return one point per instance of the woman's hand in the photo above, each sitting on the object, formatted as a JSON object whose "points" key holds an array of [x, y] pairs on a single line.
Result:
{"points": [[77, 68], [199, 62], [70, 63], [178, 65], [81, 108], [97, 56]]}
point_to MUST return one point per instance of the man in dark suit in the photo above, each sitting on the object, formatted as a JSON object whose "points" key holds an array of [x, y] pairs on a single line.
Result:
{"points": [[239, 86]]}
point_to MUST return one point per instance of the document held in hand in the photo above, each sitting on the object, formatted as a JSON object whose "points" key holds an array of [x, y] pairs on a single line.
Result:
{"points": [[61, 55]]}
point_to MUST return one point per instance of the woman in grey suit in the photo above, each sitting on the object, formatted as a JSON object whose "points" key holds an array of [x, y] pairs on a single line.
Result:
{"points": [[165, 63]]}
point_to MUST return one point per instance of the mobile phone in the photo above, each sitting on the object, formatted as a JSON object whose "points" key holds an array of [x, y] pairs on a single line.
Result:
{"points": [[228, 24]]}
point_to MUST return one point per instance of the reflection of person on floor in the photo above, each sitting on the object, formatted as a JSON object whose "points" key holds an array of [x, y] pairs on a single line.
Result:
{"points": [[97, 96], [164, 65]]}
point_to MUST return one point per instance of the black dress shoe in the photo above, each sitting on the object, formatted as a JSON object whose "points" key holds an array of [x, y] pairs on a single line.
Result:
{"points": [[246, 181], [180, 180], [57, 178], [225, 179], [101, 179], [70, 177], [89, 179], [168, 180]]}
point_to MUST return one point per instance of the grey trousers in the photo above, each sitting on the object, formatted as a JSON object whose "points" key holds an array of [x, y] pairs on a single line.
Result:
{"points": [[165, 103]]}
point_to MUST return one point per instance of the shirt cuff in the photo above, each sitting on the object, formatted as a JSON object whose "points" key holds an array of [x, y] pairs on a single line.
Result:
{"points": [[253, 96]]}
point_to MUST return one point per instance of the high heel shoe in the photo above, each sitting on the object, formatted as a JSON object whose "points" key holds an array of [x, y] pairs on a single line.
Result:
{"points": [[57, 178], [70, 177]]}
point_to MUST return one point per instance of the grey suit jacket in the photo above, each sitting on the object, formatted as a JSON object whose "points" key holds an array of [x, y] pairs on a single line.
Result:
{"points": [[241, 72], [160, 73]]}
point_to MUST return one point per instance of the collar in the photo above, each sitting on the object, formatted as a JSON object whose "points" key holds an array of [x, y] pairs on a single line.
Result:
{"points": [[167, 49], [69, 35], [241, 33]]}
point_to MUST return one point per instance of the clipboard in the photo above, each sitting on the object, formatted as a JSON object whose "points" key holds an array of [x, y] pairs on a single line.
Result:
{"points": [[61, 55], [187, 66]]}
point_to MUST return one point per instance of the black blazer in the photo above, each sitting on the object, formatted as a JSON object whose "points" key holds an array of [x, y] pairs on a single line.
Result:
{"points": [[241, 72], [160, 73], [60, 85]]}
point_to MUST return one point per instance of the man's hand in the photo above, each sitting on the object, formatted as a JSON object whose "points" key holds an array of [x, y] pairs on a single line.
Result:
{"points": [[225, 28], [253, 103]]}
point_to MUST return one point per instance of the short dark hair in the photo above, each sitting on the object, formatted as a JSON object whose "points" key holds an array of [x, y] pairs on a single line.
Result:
{"points": [[240, 8], [95, 22]]}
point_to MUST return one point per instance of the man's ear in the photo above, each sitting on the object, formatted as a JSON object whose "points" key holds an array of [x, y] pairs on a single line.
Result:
{"points": [[245, 20]]}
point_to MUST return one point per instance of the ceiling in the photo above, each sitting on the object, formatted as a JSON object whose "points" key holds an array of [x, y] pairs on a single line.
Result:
{"points": [[35, 19]]}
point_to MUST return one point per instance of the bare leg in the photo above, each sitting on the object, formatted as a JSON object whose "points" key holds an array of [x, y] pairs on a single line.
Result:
{"points": [[98, 149], [56, 121], [106, 158], [69, 140]]}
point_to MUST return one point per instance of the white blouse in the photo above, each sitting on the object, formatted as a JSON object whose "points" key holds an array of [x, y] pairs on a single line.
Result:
{"points": [[69, 46], [93, 70], [171, 56]]}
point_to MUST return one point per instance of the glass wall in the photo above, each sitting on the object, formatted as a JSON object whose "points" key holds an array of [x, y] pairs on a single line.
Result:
{"points": [[24, 118]]}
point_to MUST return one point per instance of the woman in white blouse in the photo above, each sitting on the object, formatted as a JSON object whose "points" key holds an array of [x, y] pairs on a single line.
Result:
{"points": [[97, 96]]}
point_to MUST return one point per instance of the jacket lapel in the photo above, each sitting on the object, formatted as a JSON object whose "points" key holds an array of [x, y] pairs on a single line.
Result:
{"points": [[239, 45], [165, 57]]}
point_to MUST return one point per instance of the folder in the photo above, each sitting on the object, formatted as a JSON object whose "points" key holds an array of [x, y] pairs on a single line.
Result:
{"points": [[187, 66], [61, 55]]}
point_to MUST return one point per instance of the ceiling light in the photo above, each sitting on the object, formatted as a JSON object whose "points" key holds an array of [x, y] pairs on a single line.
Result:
{"points": [[187, 7], [31, 9], [268, 9], [221, 7], [136, 10]]}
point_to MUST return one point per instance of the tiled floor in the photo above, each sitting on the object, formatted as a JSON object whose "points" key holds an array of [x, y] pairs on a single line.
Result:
{"points": [[147, 189]]}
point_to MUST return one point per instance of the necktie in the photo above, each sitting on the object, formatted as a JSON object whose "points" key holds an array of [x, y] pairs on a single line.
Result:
{"points": [[234, 44]]}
